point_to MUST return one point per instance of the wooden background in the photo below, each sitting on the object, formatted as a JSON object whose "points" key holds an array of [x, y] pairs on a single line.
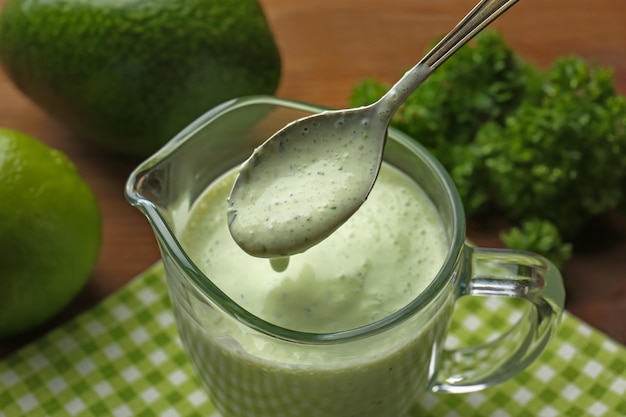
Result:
{"points": [[327, 47]]}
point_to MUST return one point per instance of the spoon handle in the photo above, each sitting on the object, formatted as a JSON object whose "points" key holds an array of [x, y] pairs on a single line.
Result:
{"points": [[485, 12], [476, 20]]}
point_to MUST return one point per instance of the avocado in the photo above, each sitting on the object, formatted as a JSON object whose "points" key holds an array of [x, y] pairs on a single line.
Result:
{"points": [[130, 74]]}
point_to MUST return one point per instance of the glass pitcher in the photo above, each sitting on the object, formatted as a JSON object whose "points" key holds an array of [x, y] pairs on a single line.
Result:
{"points": [[253, 367]]}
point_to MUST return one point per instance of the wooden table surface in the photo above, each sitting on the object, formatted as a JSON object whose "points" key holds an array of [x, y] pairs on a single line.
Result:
{"points": [[327, 47]]}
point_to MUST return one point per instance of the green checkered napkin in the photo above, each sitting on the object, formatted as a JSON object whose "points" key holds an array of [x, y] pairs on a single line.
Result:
{"points": [[124, 359]]}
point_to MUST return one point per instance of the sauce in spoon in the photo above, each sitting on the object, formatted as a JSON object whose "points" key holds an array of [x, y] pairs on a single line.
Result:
{"points": [[309, 179], [311, 176]]}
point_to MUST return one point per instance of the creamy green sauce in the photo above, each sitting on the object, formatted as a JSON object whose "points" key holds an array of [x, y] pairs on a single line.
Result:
{"points": [[306, 181], [379, 260], [374, 264], [279, 264], [291, 193]]}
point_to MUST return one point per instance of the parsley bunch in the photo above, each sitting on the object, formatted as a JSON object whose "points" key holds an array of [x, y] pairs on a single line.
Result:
{"points": [[544, 149]]}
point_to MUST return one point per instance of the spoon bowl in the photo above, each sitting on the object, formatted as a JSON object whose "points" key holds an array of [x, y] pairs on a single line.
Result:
{"points": [[307, 179]]}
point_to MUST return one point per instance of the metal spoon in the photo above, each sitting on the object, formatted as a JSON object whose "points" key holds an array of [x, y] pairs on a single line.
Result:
{"points": [[308, 178]]}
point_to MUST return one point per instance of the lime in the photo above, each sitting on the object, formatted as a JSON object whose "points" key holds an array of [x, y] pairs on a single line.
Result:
{"points": [[50, 232]]}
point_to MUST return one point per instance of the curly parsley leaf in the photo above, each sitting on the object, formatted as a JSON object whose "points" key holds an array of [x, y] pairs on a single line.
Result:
{"points": [[538, 236], [523, 143]]}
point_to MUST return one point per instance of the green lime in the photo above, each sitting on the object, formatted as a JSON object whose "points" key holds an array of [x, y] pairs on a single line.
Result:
{"points": [[50, 232]]}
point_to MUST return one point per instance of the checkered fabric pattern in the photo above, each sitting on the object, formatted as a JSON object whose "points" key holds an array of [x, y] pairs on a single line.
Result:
{"points": [[123, 358]]}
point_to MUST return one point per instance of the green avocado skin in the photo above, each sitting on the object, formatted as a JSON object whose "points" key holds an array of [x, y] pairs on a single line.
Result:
{"points": [[130, 74]]}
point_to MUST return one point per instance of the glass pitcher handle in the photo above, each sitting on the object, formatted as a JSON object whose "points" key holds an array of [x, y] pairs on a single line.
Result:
{"points": [[505, 273]]}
